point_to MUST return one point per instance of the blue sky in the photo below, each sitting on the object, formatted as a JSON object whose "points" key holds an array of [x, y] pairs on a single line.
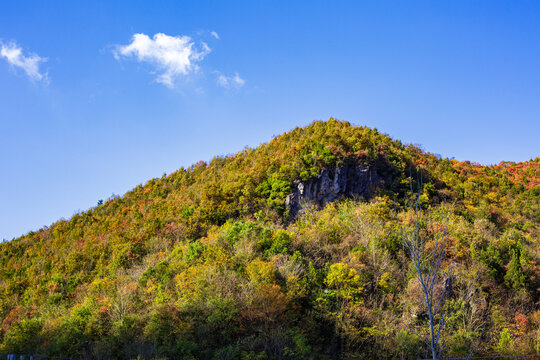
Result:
{"points": [[88, 108]]}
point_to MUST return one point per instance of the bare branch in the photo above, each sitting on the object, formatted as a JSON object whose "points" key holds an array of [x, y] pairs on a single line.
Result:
{"points": [[414, 332]]}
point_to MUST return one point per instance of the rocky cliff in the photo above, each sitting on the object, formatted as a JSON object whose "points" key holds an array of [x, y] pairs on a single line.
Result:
{"points": [[330, 185]]}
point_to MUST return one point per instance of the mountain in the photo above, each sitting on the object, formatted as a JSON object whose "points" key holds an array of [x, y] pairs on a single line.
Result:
{"points": [[291, 250]]}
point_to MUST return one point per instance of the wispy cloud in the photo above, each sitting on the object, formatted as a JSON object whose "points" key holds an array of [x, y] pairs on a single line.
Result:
{"points": [[227, 82], [214, 34], [173, 56], [29, 64]]}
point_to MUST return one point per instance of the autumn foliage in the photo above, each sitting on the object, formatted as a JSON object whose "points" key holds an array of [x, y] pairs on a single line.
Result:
{"points": [[208, 263]]}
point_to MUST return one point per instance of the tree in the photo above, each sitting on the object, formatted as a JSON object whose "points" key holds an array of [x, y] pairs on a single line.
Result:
{"points": [[427, 262]]}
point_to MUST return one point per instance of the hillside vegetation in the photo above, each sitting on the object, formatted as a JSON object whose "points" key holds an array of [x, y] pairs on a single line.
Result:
{"points": [[209, 263]]}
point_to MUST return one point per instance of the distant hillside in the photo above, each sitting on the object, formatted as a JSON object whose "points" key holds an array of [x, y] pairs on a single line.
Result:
{"points": [[290, 250]]}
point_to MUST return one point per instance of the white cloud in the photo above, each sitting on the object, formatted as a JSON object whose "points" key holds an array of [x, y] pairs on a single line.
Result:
{"points": [[214, 34], [230, 81], [173, 56], [30, 64]]}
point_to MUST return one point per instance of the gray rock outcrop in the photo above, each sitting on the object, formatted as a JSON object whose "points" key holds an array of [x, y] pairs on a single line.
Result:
{"points": [[330, 185]]}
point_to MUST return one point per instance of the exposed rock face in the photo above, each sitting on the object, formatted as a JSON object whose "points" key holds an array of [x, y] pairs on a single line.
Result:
{"points": [[330, 185]]}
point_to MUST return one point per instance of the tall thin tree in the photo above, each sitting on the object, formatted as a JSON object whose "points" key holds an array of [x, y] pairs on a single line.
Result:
{"points": [[435, 284]]}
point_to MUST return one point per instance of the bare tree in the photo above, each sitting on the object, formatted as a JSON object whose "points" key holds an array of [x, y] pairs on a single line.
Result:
{"points": [[436, 284]]}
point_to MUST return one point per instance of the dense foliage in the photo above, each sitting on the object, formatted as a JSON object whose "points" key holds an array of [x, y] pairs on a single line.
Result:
{"points": [[207, 262]]}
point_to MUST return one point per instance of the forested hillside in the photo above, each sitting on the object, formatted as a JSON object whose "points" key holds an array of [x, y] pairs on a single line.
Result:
{"points": [[212, 262]]}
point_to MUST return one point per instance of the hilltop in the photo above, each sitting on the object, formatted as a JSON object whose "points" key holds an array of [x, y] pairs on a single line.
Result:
{"points": [[290, 250]]}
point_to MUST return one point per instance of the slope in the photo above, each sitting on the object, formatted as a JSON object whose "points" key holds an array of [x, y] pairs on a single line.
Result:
{"points": [[227, 259]]}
